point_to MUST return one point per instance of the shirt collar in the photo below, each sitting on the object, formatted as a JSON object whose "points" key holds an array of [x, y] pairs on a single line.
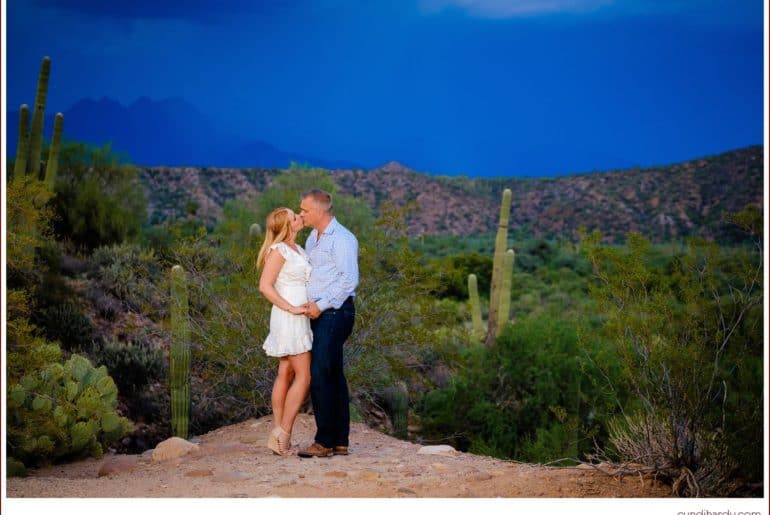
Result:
{"points": [[330, 228]]}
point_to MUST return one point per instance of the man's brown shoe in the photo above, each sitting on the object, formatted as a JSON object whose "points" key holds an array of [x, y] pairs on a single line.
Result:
{"points": [[316, 450], [341, 450]]}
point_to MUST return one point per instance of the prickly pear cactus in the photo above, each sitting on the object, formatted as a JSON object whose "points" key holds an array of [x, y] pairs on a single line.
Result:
{"points": [[63, 411]]}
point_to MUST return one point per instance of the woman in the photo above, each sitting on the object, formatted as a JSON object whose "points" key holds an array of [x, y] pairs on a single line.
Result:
{"points": [[285, 273]]}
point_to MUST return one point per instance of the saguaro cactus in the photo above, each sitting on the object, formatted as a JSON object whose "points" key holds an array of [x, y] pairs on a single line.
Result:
{"points": [[22, 148], [500, 288], [505, 291], [473, 294], [498, 269], [53, 154], [398, 401], [180, 354], [36, 134], [30, 143]]}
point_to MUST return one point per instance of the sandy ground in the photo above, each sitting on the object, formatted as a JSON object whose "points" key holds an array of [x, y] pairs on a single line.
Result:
{"points": [[232, 461]]}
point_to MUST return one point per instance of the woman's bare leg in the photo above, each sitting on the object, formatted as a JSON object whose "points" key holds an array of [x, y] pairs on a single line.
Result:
{"points": [[300, 365], [280, 388]]}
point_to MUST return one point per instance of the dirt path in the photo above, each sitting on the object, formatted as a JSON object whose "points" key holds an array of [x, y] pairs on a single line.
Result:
{"points": [[233, 462]]}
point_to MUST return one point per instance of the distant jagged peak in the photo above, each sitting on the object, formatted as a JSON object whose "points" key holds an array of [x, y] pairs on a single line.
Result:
{"points": [[394, 166], [91, 103]]}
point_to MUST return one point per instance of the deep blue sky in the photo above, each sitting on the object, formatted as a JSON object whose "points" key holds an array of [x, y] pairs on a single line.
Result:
{"points": [[473, 87]]}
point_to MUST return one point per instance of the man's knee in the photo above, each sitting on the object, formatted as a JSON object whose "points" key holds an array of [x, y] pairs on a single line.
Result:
{"points": [[320, 372]]}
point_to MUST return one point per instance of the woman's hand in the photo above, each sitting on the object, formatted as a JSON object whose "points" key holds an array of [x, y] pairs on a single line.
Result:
{"points": [[298, 310]]}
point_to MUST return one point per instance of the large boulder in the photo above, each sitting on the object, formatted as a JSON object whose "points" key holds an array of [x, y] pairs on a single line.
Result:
{"points": [[171, 448]]}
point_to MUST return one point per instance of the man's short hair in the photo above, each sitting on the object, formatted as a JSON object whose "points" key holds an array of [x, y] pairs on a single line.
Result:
{"points": [[321, 197]]}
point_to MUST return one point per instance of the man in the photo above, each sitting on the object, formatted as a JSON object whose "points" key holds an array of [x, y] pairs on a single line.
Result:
{"points": [[333, 252]]}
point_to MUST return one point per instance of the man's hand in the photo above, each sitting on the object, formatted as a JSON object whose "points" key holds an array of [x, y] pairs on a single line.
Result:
{"points": [[312, 310]]}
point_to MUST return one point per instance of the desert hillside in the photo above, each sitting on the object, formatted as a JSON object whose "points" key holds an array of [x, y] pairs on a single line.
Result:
{"points": [[688, 198]]}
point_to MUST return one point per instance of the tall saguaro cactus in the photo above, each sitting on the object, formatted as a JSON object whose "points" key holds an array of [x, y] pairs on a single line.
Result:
{"points": [[473, 294], [52, 165], [36, 134], [180, 353], [30, 143], [498, 269], [500, 288], [505, 291], [22, 148]]}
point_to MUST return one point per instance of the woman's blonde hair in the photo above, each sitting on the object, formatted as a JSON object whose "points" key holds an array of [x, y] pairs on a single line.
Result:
{"points": [[277, 229]]}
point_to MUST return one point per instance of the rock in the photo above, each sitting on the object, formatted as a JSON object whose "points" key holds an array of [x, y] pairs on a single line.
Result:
{"points": [[408, 491], [172, 448], [481, 476], [439, 450], [336, 473], [439, 467], [118, 464]]}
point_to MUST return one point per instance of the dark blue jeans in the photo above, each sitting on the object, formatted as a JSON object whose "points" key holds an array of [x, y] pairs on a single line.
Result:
{"points": [[328, 387]]}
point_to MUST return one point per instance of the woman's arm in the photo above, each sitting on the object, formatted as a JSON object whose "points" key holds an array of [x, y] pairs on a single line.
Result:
{"points": [[273, 263]]}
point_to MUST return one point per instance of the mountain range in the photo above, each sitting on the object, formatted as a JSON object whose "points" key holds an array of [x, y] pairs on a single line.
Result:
{"points": [[676, 201], [186, 160], [165, 132]]}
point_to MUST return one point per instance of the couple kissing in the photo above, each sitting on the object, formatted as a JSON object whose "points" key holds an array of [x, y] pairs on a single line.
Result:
{"points": [[312, 291]]}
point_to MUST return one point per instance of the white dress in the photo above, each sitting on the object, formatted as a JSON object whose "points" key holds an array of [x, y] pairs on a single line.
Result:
{"points": [[290, 334]]}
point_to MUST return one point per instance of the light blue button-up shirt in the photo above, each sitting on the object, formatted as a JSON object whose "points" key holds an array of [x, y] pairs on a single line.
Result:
{"points": [[334, 258]]}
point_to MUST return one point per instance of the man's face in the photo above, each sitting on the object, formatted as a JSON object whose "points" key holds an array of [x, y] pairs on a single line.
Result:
{"points": [[296, 221], [309, 211]]}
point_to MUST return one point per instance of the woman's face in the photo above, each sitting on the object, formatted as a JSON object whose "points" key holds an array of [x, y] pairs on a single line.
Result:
{"points": [[295, 221]]}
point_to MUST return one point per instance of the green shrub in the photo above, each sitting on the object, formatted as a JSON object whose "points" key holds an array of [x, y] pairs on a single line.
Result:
{"points": [[66, 324], [689, 339], [133, 274], [99, 200], [530, 396], [15, 468], [28, 229], [107, 306], [451, 274], [132, 365]]}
